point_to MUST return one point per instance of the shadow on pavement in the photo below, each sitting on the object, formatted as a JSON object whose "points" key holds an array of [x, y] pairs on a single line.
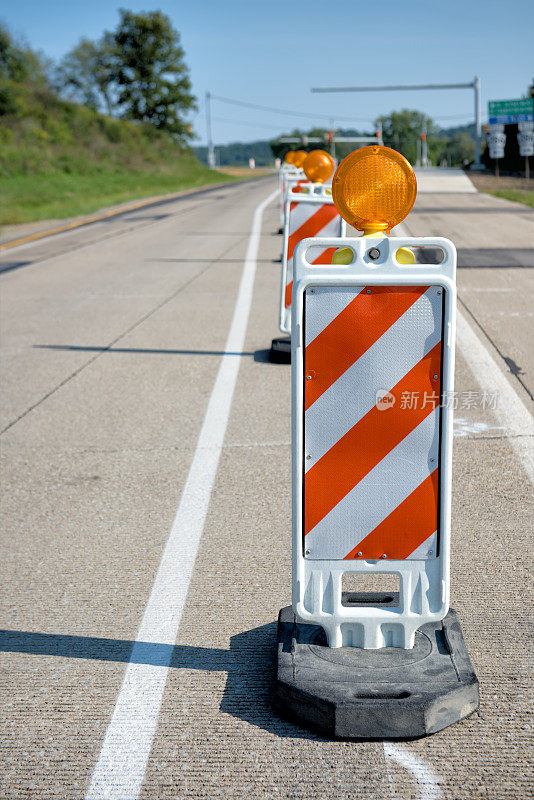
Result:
{"points": [[249, 663], [13, 265], [140, 350], [499, 257]]}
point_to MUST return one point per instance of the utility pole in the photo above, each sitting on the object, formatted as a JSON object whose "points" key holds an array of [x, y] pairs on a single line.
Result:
{"points": [[474, 84], [211, 151]]}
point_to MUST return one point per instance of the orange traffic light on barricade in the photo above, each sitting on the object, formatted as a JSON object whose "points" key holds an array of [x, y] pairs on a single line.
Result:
{"points": [[374, 189], [299, 157], [289, 157], [318, 166]]}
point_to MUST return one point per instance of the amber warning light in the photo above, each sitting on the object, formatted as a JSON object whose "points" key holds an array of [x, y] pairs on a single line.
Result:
{"points": [[318, 166], [374, 189], [299, 157]]}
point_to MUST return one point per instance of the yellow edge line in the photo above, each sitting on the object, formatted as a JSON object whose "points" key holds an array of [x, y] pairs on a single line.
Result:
{"points": [[88, 220]]}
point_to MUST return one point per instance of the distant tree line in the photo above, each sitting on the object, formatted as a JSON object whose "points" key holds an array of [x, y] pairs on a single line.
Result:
{"points": [[238, 154], [136, 72], [401, 130]]}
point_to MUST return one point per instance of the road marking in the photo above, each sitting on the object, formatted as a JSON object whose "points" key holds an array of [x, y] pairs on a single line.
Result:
{"points": [[426, 780], [121, 767], [511, 412]]}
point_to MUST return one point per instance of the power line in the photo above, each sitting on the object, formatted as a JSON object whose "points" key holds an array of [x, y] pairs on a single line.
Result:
{"points": [[247, 124], [273, 110]]}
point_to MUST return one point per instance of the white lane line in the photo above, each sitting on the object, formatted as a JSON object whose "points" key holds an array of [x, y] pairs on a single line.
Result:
{"points": [[510, 411], [426, 780], [121, 766]]}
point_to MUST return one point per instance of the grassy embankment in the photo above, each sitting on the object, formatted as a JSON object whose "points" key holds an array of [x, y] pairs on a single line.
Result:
{"points": [[59, 159], [517, 189]]}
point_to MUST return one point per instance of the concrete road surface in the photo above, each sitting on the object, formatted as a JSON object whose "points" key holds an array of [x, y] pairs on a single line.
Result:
{"points": [[146, 505]]}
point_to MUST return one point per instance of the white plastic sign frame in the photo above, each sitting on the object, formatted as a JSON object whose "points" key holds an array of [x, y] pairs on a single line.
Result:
{"points": [[424, 584]]}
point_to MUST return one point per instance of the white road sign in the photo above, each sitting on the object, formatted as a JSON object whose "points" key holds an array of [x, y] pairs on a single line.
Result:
{"points": [[496, 142], [526, 143]]}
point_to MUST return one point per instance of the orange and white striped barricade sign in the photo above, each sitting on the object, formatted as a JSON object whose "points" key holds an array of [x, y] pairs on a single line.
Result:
{"points": [[372, 372], [290, 180], [309, 211], [372, 358], [286, 173]]}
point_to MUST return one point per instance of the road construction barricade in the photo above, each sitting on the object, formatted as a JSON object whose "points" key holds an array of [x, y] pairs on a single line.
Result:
{"points": [[309, 211], [372, 365], [287, 176], [290, 171], [372, 356]]}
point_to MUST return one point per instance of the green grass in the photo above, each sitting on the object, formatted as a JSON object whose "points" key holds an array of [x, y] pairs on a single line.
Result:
{"points": [[60, 159], [519, 196], [27, 198]]}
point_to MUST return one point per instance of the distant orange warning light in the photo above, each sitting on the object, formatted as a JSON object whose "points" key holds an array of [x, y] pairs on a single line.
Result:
{"points": [[299, 157], [288, 158], [374, 189], [318, 166]]}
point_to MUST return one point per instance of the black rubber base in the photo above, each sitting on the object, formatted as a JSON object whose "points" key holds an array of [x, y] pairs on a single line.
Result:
{"points": [[391, 693], [280, 230], [280, 352]]}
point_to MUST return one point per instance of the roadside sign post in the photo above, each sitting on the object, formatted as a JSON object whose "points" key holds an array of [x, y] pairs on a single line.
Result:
{"points": [[525, 138], [511, 112], [372, 368], [496, 144]]}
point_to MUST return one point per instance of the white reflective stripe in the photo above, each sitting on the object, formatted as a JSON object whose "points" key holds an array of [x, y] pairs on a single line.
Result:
{"points": [[382, 490], [382, 366], [322, 310], [300, 214], [428, 548]]}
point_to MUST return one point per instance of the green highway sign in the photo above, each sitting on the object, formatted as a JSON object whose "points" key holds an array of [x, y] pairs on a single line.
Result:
{"points": [[508, 112]]}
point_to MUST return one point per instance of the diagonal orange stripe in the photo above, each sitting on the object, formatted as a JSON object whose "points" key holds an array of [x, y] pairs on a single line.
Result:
{"points": [[324, 258], [361, 323], [289, 290], [407, 527], [324, 214], [369, 441]]}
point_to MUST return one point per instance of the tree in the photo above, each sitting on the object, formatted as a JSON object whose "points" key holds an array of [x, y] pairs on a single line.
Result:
{"points": [[459, 149], [18, 62], [152, 77], [402, 130], [88, 73]]}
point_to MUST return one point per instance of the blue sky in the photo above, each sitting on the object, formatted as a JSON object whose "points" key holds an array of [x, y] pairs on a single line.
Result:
{"points": [[271, 53]]}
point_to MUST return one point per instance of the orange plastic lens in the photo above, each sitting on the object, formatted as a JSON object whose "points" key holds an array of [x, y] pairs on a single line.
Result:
{"points": [[374, 188], [299, 157], [318, 166], [289, 157]]}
